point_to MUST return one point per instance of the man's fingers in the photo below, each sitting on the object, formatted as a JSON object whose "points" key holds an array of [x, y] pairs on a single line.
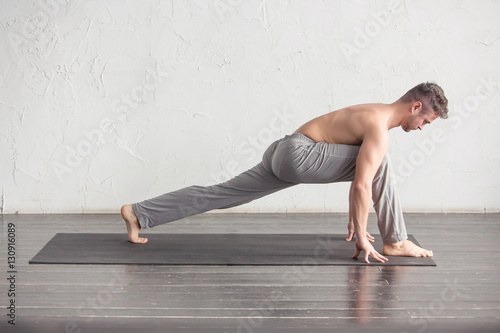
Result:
{"points": [[377, 256], [349, 237], [369, 251], [357, 253]]}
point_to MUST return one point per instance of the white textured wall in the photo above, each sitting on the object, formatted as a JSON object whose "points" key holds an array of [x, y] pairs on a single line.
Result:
{"points": [[108, 102]]}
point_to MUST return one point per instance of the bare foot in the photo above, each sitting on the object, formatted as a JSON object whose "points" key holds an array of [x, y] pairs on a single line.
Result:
{"points": [[405, 248], [133, 225]]}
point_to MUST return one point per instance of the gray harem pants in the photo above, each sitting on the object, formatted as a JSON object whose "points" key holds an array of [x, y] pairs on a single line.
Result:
{"points": [[289, 161]]}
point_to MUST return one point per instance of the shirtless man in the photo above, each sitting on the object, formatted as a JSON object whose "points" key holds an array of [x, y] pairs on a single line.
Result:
{"points": [[349, 144]]}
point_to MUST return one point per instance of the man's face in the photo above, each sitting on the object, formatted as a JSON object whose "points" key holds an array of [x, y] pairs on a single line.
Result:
{"points": [[418, 121]]}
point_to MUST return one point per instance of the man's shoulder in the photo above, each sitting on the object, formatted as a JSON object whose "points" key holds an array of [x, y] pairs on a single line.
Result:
{"points": [[371, 116]]}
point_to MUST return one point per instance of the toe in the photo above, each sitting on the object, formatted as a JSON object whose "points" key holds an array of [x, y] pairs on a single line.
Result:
{"points": [[427, 253], [138, 240]]}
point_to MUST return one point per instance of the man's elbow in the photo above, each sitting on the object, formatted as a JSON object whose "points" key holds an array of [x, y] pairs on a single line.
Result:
{"points": [[361, 189]]}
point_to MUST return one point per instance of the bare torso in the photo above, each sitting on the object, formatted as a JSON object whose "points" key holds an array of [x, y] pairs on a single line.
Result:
{"points": [[347, 125]]}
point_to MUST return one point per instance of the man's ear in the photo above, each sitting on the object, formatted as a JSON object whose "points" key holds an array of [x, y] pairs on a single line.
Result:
{"points": [[416, 107]]}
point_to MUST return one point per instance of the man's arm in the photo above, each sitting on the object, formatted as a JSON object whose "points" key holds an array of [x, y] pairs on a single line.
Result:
{"points": [[350, 225], [371, 154]]}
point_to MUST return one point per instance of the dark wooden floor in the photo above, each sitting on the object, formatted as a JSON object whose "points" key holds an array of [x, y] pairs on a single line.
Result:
{"points": [[461, 294]]}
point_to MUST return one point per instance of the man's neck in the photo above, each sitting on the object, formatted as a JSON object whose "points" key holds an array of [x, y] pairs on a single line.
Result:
{"points": [[396, 114]]}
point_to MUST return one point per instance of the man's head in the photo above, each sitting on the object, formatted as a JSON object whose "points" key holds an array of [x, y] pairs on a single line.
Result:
{"points": [[427, 102]]}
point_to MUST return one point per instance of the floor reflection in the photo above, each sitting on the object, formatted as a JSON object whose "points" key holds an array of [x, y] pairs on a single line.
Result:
{"points": [[370, 291]]}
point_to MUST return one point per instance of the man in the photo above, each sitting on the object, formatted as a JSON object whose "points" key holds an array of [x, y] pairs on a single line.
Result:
{"points": [[349, 144]]}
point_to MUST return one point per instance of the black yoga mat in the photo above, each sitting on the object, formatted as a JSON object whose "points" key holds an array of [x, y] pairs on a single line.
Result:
{"points": [[211, 249]]}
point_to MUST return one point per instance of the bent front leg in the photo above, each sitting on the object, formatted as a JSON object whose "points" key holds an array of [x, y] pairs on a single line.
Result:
{"points": [[387, 205]]}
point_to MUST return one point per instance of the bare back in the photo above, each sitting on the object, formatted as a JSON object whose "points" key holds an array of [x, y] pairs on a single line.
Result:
{"points": [[347, 125]]}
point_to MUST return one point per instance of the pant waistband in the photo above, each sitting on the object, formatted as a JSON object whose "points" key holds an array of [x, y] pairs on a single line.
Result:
{"points": [[339, 148], [302, 137]]}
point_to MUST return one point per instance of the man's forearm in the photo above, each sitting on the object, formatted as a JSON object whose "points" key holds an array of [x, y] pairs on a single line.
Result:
{"points": [[360, 201], [351, 218]]}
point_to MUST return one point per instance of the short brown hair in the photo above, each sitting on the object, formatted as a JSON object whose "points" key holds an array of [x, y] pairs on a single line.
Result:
{"points": [[432, 97]]}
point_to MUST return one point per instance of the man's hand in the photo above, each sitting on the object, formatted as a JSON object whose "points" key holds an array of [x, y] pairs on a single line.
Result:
{"points": [[364, 245], [352, 232]]}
